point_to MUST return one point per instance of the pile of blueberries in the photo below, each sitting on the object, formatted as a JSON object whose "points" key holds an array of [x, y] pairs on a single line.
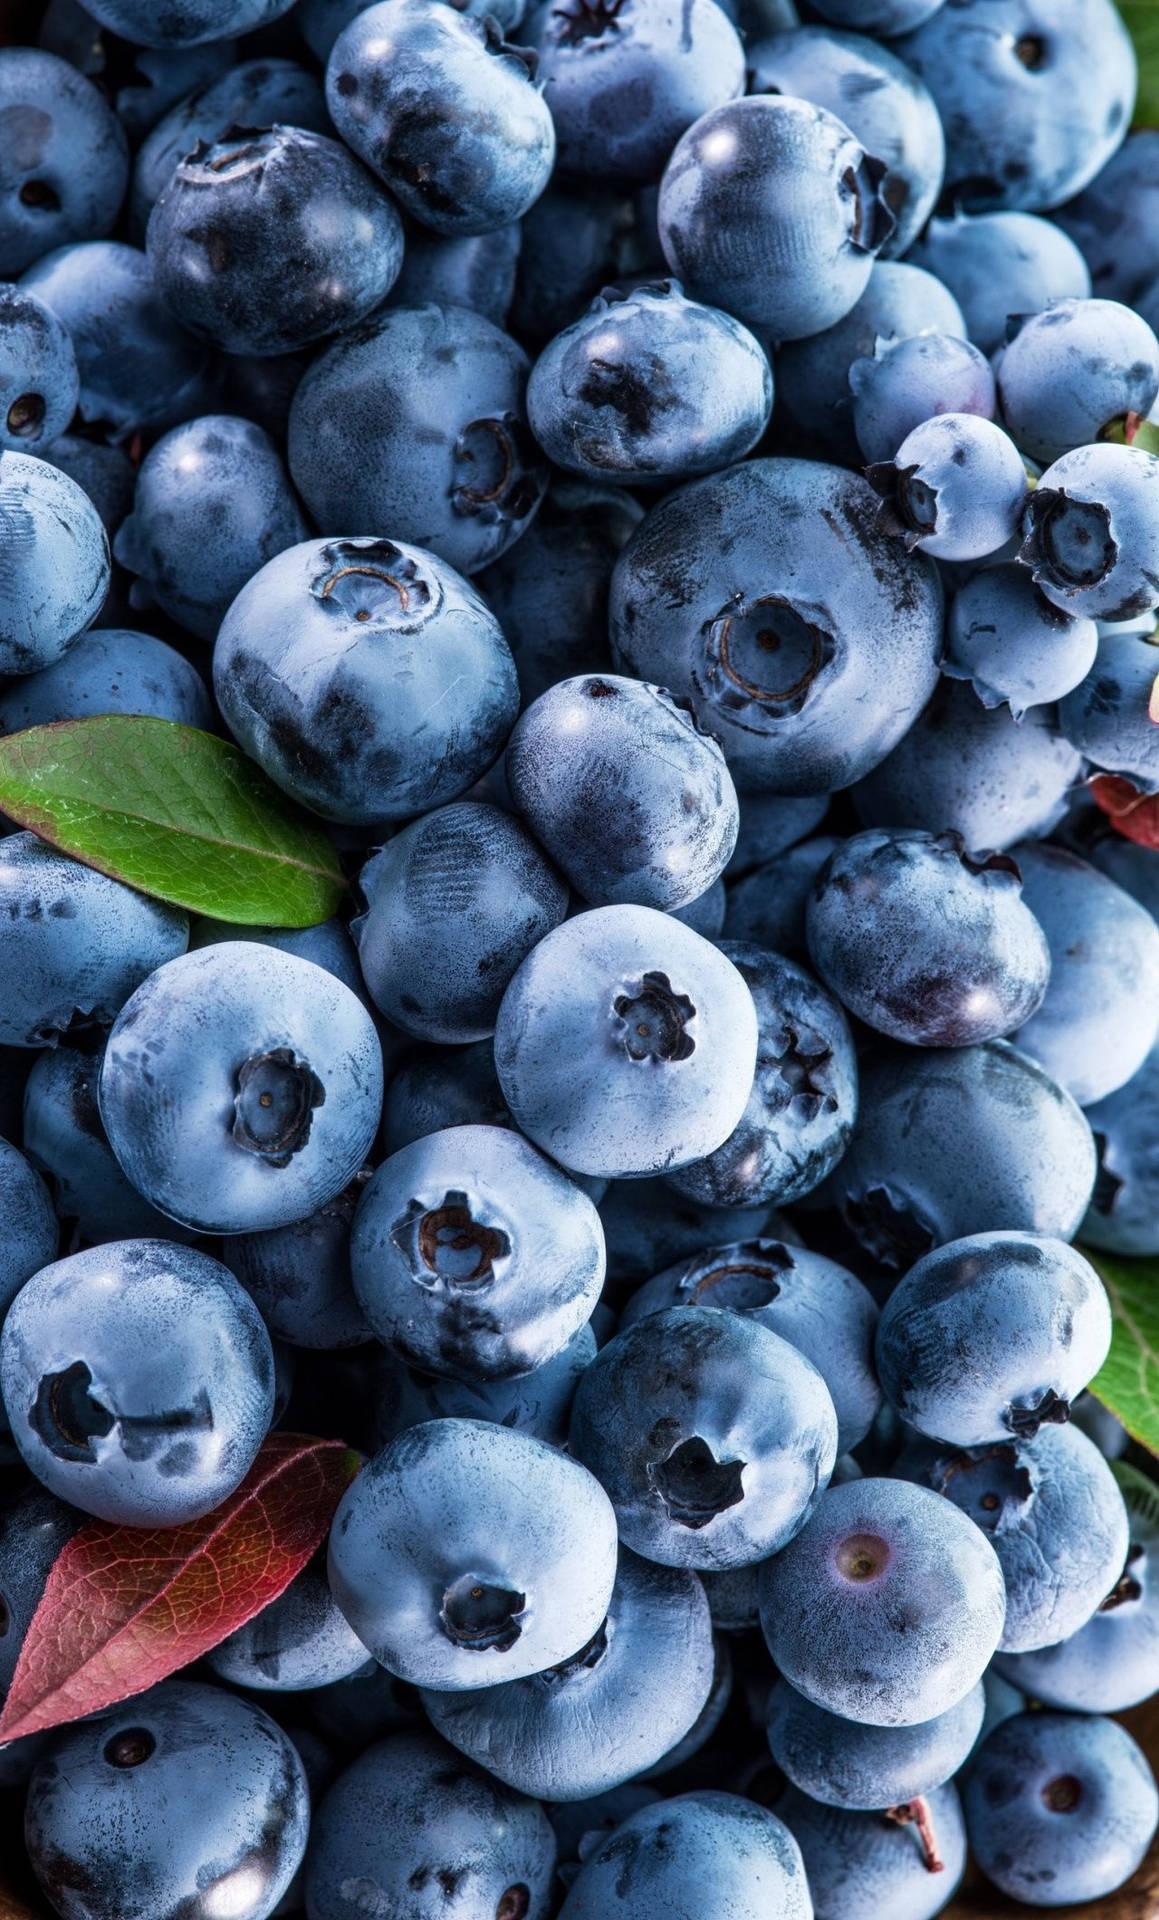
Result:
{"points": [[666, 483]]}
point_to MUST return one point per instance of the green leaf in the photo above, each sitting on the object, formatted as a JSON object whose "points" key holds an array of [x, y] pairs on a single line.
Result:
{"points": [[176, 813], [1141, 18], [1129, 1381]]}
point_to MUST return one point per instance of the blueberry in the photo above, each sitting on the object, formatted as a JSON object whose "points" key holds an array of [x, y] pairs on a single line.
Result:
{"points": [[632, 800], [771, 823], [649, 386], [1124, 1209], [955, 487], [472, 1255], [1107, 718], [454, 902], [1100, 1016], [992, 1336], [467, 270], [536, 1403], [812, 375], [884, 17], [300, 1640], [160, 77], [803, 1103], [413, 1826], [39, 383], [963, 1142], [1113, 220], [466, 1554], [213, 504], [65, 164], [299, 1276], [1054, 1514], [699, 1847], [613, 1708], [705, 914], [576, 239], [886, 1606], [905, 382], [256, 93], [626, 1044], [268, 242], [1091, 532], [56, 572], [846, 1763], [327, 944], [712, 1435], [416, 421], [77, 943], [582, 1825], [814, 1304], [436, 1087], [996, 264], [184, 1798], [781, 641], [139, 1381], [139, 371], [926, 941], [445, 111], [1014, 646], [977, 772], [1028, 120], [64, 1138], [648, 1227], [1060, 1807], [34, 1528], [263, 1089], [1069, 371], [880, 100], [771, 209], [185, 23], [109, 670], [365, 677], [907, 1862], [707, 1723], [30, 1224]]}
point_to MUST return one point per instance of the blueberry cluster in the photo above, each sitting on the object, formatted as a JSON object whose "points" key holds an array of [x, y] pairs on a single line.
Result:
{"points": [[668, 488]]}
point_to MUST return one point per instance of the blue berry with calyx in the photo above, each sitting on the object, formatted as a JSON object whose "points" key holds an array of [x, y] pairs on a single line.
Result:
{"points": [[1106, 717], [65, 178], [1068, 372], [39, 383], [996, 264], [109, 670], [1091, 532], [1014, 646], [955, 487], [664, 1854], [863, 1768], [906, 1860], [57, 571], [903, 383]]}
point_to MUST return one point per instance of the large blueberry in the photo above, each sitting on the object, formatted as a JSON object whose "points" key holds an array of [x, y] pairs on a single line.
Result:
{"points": [[660, 1858], [56, 568], [1016, 648], [996, 264], [1068, 372], [64, 159], [39, 382], [109, 670], [1091, 532], [847, 1763], [907, 1862]]}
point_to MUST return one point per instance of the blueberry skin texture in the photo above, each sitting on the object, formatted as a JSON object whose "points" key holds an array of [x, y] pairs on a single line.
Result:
{"points": [[444, 111], [139, 1381], [219, 1806], [955, 487], [632, 800], [77, 943], [623, 83], [649, 386], [626, 1044], [712, 1435], [299, 1276], [886, 1606], [648, 1227], [1100, 1016], [771, 823], [844, 1763], [1124, 1210], [961, 1142], [1060, 1807], [1107, 717], [771, 209], [256, 93], [882, 17], [109, 670], [185, 23], [454, 1505], [434, 1088], [327, 944], [365, 719], [66, 159], [601, 1717], [724, 563], [1027, 121], [812, 376], [230, 1035], [64, 1138], [213, 504], [925, 941], [416, 421], [471, 270], [454, 903], [810, 1301], [474, 1256], [31, 1232], [1091, 532], [904, 383], [161, 77], [34, 1529], [975, 772], [996, 264], [1067, 372], [861, 1865], [57, 570], [663, 1858], [1054, 1515], [880, 100], [300, 1640], [549, 593], [104, 473], [803, 1103], [1015, 647], [39, 383], [536, 1403], [992, 1335], [1112, 220], [139, 371], [270, 243], [412, 1826]]}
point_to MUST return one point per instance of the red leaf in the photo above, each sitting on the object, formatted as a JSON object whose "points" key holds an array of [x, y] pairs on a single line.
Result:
{"points": [[125, 1607], [1135, 814]]}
